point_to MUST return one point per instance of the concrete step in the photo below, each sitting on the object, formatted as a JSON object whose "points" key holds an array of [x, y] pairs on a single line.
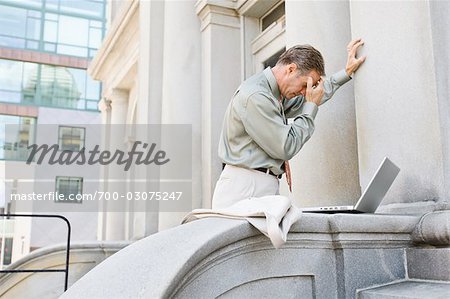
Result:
{"points": [[409, 289]]}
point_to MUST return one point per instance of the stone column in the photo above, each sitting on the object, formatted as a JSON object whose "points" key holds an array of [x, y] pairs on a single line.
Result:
{"points": [[104, 106], [221, 73], [397, 105], [181, 89], [149, 96], [326, 169], [115, 211], [440, 30]]}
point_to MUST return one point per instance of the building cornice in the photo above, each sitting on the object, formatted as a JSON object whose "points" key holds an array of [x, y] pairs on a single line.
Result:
{"points": [[121, 21], [217, 12], [255, 8], [201, 4]]}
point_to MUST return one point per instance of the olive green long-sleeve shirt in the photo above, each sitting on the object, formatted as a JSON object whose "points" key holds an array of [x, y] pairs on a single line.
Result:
{"points": [[255, 132]]}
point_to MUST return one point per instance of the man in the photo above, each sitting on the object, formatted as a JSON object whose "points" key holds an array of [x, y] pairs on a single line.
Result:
{"points": [[256, 139]]}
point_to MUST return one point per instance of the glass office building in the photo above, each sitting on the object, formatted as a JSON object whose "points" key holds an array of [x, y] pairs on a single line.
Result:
{"points": [[30, 83], [45, 49], [71, 29], [64, 27]]}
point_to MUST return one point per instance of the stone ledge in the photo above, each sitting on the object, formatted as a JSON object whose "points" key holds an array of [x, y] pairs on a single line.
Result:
{"points": [[155, 266], [408, 208], [151, 267], [352, 223]]}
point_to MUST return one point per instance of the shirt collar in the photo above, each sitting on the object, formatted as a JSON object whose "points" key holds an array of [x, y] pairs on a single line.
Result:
{"points": [[272, 82]]}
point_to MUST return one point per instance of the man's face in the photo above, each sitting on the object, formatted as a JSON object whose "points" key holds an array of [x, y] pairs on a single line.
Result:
{"points": [[295, 84]]}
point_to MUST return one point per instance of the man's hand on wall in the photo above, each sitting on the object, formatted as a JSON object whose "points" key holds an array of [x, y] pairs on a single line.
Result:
{"points": [[353, 63]]}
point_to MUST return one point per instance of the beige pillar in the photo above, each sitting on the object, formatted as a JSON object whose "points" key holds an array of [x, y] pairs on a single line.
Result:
{"points": [[150, 70], [326, 169], [440, 30], [104, 106], [397, 106], [115, 211], [221, 73], [181, 89]]}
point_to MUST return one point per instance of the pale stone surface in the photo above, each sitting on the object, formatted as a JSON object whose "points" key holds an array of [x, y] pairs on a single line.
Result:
{"points": [[182, 72], [440, 29], [325, 172], [418, 208], [393, 119], [119, 105], [196, 259], [274, 287], [433, 228], [83, 257], [429, 263], [366, 267], [220, 37], [408, 289], [149, 268]]}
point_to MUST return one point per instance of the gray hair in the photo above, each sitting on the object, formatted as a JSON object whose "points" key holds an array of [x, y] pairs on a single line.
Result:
{"points": [[305, 57]]}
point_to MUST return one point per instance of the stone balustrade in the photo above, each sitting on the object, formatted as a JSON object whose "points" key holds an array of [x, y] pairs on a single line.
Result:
{"points": [[326, 256]]}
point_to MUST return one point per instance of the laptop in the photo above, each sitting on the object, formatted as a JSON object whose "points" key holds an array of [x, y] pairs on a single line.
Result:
{"points": [[371, 197]]}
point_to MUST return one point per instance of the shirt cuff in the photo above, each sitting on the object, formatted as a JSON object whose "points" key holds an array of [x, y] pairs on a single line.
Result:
{"points": [[309, 108], [341, 77]]}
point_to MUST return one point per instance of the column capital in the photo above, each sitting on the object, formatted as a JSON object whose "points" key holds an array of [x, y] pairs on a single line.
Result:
{"points": [[119, 95], [216, 12], [116, 96], [104, 105]]}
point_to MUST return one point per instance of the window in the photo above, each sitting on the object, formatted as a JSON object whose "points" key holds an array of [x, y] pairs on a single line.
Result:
{"points": [[8, 250], [70, 187], [19, 133], [87, 8], [273, 59], [47, 85], [71, 138], [73, 28], [273, 16]]}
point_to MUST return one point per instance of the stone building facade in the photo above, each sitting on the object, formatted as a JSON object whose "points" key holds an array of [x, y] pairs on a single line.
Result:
{"points": [[180, 62]]}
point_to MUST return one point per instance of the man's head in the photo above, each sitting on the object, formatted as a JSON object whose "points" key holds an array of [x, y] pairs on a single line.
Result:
{"points": [[295, 66]]}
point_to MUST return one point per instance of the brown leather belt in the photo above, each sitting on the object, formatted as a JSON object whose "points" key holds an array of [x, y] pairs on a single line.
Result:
{"points": [[265, 170]]}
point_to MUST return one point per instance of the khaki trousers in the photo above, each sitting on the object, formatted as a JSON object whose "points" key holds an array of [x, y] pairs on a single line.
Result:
{"points": [[237, 183]]}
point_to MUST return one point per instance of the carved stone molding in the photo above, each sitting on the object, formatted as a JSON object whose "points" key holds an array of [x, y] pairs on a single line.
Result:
{"points": [[217, 12], [104, 105], [433, 228]]}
